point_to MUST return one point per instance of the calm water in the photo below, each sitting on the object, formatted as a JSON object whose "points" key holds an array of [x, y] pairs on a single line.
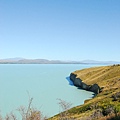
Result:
{"points": [[44, 82]]}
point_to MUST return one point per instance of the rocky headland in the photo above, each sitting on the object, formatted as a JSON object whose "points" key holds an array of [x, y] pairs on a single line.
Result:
{"points": [[105, 82], [78, 82]]}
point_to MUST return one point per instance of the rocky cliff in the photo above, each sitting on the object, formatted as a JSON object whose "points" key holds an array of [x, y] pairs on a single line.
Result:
{"points": [[78, 82], [106, 104]]}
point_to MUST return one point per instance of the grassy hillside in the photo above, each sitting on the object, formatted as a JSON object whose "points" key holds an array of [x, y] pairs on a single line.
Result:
{"points": [[105, 105]]}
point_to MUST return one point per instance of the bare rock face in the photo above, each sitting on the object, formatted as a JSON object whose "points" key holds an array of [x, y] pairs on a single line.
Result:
{"points": [[85, 86], [72, 76], [78, 83], [95, 88]]}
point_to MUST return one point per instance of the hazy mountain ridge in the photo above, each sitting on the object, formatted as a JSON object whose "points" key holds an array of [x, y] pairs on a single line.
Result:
{"points": [[46, 61]]}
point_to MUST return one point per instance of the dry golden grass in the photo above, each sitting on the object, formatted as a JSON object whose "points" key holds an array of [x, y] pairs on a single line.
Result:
{"points": [[108, 78], [103, 76]]}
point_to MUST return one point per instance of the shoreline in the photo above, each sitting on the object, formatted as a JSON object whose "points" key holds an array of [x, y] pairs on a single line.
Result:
{"points": [[78, 82], [106, 101]]}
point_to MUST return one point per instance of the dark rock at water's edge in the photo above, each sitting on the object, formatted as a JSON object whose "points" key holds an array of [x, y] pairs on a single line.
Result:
{"points": [[95, 88], [78, 83]]}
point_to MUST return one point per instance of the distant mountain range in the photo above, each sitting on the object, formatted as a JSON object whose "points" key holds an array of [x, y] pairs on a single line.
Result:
{"points": [[45, 61]]}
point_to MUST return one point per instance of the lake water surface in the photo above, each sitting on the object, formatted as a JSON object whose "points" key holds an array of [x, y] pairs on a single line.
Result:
{"points": [[44, 82]]}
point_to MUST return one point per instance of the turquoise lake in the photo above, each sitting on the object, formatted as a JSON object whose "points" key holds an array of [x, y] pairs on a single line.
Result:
{"points": [[45, 83]]}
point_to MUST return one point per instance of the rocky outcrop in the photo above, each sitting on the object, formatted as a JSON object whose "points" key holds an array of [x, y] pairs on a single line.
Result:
{"points": [[95, 88], [78, 83]]}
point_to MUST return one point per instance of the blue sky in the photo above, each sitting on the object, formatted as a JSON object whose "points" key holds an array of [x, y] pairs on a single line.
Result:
{"points": [[60, 29]]}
